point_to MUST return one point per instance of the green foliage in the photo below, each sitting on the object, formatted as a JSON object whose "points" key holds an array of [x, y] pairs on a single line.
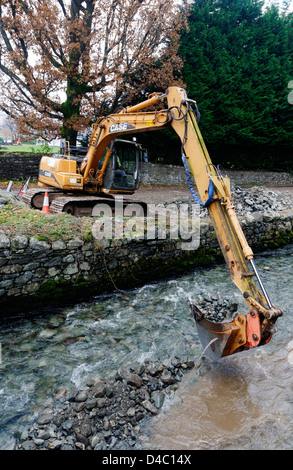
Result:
{"points": [[163, 146], [238, 62], [237, 66], [29, 149]]}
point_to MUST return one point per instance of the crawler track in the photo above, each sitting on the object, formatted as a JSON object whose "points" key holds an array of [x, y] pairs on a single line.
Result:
{"points": [[34, 197], [76, 205]]}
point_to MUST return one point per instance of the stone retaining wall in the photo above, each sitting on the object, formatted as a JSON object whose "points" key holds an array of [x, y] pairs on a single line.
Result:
{"points": [[36, 273], [19, 166], [23, 166], [170, 175]]}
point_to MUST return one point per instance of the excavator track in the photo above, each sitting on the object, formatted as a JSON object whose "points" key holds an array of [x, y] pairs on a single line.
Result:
{"points": [[34, 197], [78, 206], [82, 206]]}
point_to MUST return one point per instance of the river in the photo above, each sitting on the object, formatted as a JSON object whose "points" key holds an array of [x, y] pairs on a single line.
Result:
{"points": [[244, 401]]}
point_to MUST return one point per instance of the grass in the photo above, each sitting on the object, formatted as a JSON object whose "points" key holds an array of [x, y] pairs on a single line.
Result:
{"points": [[23, 220], [17, 182], [19, 220], [28, 148]]}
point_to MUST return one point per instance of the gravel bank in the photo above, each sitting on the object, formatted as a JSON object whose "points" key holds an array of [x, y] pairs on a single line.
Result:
{"points": [[111, 414], [106, 414], [250, 200]]}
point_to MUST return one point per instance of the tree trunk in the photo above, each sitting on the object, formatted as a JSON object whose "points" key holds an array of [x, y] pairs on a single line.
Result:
{"points": [[69, 134], [71, 111]]}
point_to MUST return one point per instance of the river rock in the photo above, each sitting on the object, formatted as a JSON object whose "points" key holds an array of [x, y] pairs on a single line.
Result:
{"points": [[131, 412], [254, 199], [216, 308], [158, 398], [81, 396], [56, 444], [90, 403], [47, 334], [106, 414], [99, 390], [167, 377], [149, 407], [133, 379], [45, 419], [24, 435]]}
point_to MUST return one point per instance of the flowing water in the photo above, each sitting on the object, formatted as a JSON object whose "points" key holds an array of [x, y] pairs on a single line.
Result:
{"points": [[244, 401]]}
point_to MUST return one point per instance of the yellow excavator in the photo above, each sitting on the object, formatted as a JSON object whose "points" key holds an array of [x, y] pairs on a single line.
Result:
{"points": [[111, 166]]}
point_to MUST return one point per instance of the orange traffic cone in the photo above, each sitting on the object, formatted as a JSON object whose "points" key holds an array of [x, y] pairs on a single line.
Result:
{"points": [[46, 208]]}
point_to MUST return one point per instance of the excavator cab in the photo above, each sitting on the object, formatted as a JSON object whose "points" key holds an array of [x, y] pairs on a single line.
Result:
{"points": [[124, 167]]}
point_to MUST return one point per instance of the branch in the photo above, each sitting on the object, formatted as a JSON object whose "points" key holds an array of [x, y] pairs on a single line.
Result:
{"points": [[3, 33], [76, 7], [21, 85], [6, 40], [59, 54], [6, 111], [24, 6], [47, 53], [63, 7]]}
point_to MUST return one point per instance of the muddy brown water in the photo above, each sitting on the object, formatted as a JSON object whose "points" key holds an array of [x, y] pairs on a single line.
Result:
{"points": [[241, 402]]}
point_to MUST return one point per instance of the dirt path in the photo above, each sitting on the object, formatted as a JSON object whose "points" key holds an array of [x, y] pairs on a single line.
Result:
{"points": [[160, 194], [168, 194], [281, 188], [157, 194]]}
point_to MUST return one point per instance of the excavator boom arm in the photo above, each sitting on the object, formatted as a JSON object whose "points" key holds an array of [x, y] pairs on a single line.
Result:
{"points": [[128, 121], [244, 331]]}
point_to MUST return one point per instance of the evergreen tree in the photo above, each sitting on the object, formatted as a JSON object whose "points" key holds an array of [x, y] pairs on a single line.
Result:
{"points": [[237, 65]]}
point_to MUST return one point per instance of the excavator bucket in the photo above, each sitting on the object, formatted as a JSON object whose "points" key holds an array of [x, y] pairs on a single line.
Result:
{"points": [[226, 338]]}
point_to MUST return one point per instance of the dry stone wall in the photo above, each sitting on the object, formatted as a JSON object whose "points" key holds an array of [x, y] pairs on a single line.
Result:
{"points": [[172, 175], [36, 273], [153, 174], [19, 166]]}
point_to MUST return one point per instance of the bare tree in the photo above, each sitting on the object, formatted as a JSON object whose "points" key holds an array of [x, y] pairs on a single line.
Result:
{"points": [[63, 62]]}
